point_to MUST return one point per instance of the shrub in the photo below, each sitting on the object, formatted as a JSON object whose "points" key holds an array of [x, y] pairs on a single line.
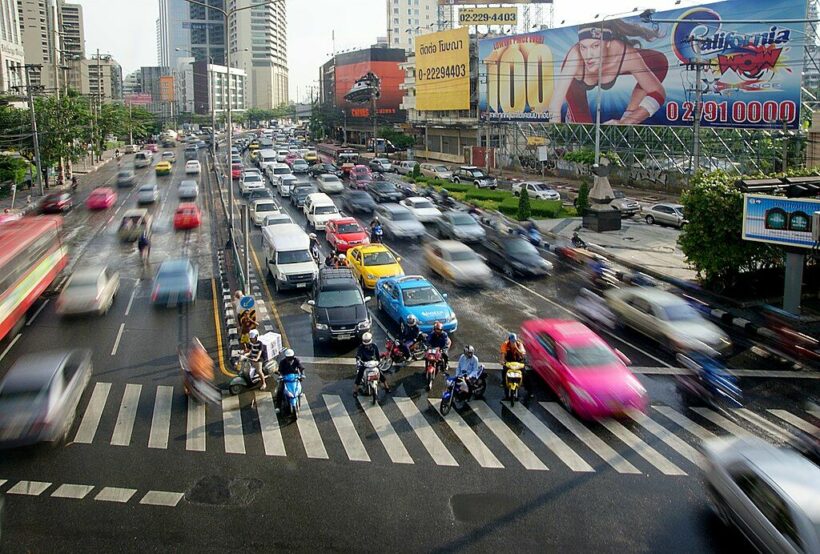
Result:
{"points": [[538, 208], [482, 194], [416, 171], [524, 211], [582, 202], [453, 187]]}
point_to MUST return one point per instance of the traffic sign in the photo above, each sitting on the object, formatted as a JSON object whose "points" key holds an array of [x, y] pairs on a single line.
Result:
{"points": [[246, 302]]}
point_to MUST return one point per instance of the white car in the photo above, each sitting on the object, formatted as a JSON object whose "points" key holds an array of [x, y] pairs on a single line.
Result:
{"points": [[536, 189], [262, 208], [89, 290], [330, 184], [147, 194], [251, 181], [276, 219], [285, 184], [188, 190], [193, 167], [422, 208], [456, 262], [275, 171]]}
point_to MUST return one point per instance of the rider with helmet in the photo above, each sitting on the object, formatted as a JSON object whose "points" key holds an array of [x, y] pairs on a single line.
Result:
{"points": [[376, 230], [410, 333], [512, 350], [341, 260], [367, 352], [290, 365], [314, 246], [468, 366], [255, 351], [439, 339]]}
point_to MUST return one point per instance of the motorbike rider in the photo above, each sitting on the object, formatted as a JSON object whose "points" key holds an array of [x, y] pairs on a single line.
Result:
{"points": [[468, 366], [410, 333], [376, 230], [367, 352], [314, 246], [440, 339], [512, 350], [255, 350], [290, 365], [341, 261], [330, 259]]}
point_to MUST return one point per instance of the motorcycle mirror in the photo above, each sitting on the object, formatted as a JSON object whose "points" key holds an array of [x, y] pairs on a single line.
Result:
{"points": [[444, 296], [623, 357], [398, 259], [367, 299]]}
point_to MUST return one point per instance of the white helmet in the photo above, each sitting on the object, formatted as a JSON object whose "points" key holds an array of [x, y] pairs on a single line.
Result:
{"points": [[253, 334], [289, 353], [342, 257], [312, 236], [411, 320], [367, 338]]}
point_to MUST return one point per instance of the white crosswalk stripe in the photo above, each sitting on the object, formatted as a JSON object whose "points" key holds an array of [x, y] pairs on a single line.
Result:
{"points": [[642, 449], [675, 443], [93, 413], [161, 421], [128, 413], [550, 439], [686, 423], [723, 422], [195, 427], [344, 427], [441, 456], [801, 424], [269, 424], [232, 424], [503, 433], [390, 440], [764, 424], [468, 438], [311, 439]]}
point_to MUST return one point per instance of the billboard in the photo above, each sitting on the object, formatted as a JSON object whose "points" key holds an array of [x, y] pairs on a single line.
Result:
{"points": [[443, 70], [779, 220], [751, 72], [166, 88], [384, 63], [473, 2], [488, 16]]}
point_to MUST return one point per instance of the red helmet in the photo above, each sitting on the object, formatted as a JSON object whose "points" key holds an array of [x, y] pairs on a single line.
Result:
{"points": [[437, 326]]}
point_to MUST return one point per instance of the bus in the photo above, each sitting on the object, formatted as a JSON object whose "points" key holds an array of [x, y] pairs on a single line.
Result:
{"points": [[32, 254]]}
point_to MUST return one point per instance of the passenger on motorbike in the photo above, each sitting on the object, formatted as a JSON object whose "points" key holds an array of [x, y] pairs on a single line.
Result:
{"points": [[330, 259], [314, 246], [367, 352], [468, 366], [290, 365], [439, 339], [341, 261], [410, 333], [376, 231], [255, 350], [512, 350]]}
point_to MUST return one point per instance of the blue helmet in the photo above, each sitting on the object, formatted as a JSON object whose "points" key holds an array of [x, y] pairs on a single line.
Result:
{"points": [[513, 337]]}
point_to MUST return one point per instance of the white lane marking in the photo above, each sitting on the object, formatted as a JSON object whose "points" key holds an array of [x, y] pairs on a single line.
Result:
{"points": [[801, 424], [602, 449], [195, 427], [161, 420], [764, 424], [344, 427], [642, 449], [550, 439], [390, 440], [162, 498], [232, 425], [3, 482], [509, 439], [424, 432], [722, 422], [40, 309], [131, 300], [72, 491], [128, 414], [117, 340], [12, 343], [700, 432], [269, 424], [115, 494], [468, 438], [29, 488], [93, 412], [673, 441], [311, 439]]}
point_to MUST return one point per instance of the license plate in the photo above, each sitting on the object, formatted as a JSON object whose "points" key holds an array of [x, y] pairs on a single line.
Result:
{"points": [[344, 337], [301, 285]]}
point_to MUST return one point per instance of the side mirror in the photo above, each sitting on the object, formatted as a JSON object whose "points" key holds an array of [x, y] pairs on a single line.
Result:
{"points": [[311, 302], [444, 296], [367, 299], [398, 259], [623, 357]]}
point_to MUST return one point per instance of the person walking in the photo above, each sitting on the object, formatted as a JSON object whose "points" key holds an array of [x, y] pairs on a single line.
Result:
{"points": [[144, 247]]}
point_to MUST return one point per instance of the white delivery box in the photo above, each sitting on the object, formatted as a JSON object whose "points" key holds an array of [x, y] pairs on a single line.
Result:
{"points": [[273, 344]]}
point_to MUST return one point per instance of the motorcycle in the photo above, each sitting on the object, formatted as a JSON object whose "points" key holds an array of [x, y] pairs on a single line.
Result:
{"points": [[291, 394], [201, 390], [433, 363], [711, 382], [578, 242], [377, 234], [512, 381], [531, 234], [458, 390], [393, 354], [370, 380], [242, 382]]}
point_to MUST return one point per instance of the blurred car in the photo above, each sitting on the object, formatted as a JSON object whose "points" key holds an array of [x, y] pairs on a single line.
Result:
{"points": [[147, 194], [130, 148], [666, 318], [276, 219], [358, 201], [236, 170], [56, 203], [398, 297], [175, 283], [398, 223], [330, 184], [163, 168], [384, 191], [590, 378], [627, 206], [424, 210], [324, 169], [187, 216], [311, 156], [39, 396], [516, 256], [536, 189], [436, 171], [187, 190], [101, 198], [193, 167], [381, 165], [373, 262], [169, 156], [769, 493], [474, 175], [359, 182], [298, 195], [460, 226], [258, 194], [665, 214], [360, 170], [152, 147], [345, 233], [125, 178], [90, 289], [456, 262], [299, 166]]}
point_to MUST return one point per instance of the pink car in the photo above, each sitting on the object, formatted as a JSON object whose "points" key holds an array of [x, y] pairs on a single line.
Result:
{"points": [[589, 377], [101, 198], [152, 147]]}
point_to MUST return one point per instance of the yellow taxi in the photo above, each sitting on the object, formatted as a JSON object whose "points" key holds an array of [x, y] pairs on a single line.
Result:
{"points": [[163, 168], [373, 262], [311, 157], [254, 153]]}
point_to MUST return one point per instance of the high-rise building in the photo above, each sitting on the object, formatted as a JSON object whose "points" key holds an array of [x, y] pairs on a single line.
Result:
{"points": [[52, 33], [12, 54], [132, 84], [408, 18], [210, 87], [186, 29], [71, 30], [97, 77]]}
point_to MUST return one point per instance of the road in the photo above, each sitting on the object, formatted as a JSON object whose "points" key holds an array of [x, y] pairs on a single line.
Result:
{"points": [[146, 470]]}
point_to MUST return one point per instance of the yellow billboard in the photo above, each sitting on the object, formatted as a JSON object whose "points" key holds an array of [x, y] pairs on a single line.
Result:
{"points": [[488, 16], [443, 70]]}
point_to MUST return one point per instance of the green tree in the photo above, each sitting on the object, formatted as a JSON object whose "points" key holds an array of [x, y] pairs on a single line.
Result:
{"points": [[63, 126], [13, 170], [400, 140], [416, 171], [523, 205], [582, 202]]}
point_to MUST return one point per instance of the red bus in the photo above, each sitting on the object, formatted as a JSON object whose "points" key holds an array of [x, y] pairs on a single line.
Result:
{"points": [[31, 256]]}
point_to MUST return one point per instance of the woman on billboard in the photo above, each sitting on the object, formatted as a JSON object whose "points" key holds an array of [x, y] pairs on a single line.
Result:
{"points": [[614, 44]]}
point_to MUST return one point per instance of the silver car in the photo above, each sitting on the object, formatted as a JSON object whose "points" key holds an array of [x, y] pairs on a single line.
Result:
{"points": [[771, 494], [147, 194], [666, 214], [330, 184], [457, 263], [188, 190], [398, 222], [39, 396], [89, 290], [460, 226]]}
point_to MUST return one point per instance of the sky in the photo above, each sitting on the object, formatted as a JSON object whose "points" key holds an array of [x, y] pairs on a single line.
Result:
{"points": [[126, 29]]}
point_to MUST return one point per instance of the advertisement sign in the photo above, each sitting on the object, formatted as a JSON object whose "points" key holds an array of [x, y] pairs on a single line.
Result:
{"points": [[138, 99], [751, 72], [779, 220], [166, 88], [384, 63], [488, 16], [443, 70], [473, 2]]}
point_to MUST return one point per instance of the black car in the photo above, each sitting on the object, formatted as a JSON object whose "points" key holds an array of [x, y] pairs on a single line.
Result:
{"points": [[298, 195], [516, 256], [324, 168], [358, 201], [338, 308], [57, 203], [382, 191]]}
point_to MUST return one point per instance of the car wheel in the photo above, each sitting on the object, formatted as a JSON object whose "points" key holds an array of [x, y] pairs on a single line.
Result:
{"points": [[650, 220], [508, 271]]}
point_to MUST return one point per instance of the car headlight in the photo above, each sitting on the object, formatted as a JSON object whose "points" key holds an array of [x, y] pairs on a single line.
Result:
{"points": [[341, 241], [370, 276], [321, 327], [582, 395], [364, 324]]}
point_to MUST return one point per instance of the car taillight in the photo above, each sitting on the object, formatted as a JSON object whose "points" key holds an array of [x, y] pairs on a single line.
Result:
{"points": [[154, 294]]}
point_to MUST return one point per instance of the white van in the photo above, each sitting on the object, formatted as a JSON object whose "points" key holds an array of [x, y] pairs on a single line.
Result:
{"points": [[287, 256], [286, 184], [276, 170], [143, 158], [282, 155], [319, 209], [265, 158], [406, 167], [261, 208]]}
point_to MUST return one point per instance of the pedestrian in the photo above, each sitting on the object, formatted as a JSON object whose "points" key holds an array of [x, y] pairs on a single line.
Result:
{"points": [[237, 296], [247, 323], [144, 247]]}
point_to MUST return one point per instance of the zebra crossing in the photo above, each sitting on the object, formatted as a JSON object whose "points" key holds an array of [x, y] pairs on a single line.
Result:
{"points": [[402, 430]]}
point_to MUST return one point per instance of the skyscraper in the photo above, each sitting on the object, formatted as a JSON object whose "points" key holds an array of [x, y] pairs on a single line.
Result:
{"points": [[193, 29], [408, 18], [11, 46]]}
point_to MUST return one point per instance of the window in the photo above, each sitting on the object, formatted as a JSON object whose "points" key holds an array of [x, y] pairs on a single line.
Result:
{"points": [[770, 504], [547, 343]]}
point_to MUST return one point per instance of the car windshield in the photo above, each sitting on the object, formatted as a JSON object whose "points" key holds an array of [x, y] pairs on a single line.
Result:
{"points": [[83, 280], [345, 228], [618, 194], [281, 170], [25, 393], [175, 272], [463, 219], [588, 356], [147, 188], [269, 207], [385, 187], [293, 257], [379, 258], [678, 211], [521, 248], [402, 216], [252, 178], [477, 173], [441, 168], [325, 210], [420, 296], [423, 205], [339, 298], [678, 312]]}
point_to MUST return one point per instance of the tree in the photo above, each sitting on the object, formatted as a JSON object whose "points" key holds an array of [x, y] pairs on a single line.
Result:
{"points": [[400, 140], [416, 171], [523, 205], [582, 202], [63, 126], [13, 170]]}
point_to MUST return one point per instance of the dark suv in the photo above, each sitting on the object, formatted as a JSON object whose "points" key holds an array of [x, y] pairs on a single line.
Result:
{"points": [[338, 308]]}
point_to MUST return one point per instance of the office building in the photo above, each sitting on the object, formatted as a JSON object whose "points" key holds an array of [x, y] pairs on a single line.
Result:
{"points": [[210, 84], [72, 32], [186, 30], [99, 78], [12, 53], [52, 33], [408, 18]]}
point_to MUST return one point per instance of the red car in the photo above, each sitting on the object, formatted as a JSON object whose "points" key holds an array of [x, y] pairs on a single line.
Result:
{"points": [[360, 171], [236, 171], [187, 216], [588, 376], [101, 198], [56, 203], [151, 147], [345, 233], [360, 182]]}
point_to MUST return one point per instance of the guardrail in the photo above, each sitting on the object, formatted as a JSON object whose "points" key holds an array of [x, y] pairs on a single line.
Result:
{"points": [[219, 174]]}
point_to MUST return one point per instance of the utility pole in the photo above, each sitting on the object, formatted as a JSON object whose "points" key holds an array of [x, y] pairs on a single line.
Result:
{"points": [[99, 90], [697, 64], [130, 125], [35, 136]]}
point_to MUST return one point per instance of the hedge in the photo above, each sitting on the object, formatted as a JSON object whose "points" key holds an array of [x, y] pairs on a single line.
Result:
{"points": [[483, 194], [538, 208]]}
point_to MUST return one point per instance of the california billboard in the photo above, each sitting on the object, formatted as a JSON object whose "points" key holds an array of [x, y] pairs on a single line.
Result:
{"points": [[750, 72]]}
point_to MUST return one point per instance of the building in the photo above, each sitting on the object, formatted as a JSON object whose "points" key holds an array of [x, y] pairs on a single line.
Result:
{"points": [[72, 32], [12, 54], [258, 42], [184, 85], [52, 33], [210, 87], [132, 83], [408, 18], [811, 52], [99, 77], [186, 29]]}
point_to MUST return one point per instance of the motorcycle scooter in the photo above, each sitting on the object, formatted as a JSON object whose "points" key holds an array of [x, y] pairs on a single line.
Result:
{"points": [[512, 381], [433, 363], [457, 391], [393, 354], [291, 394], [370, 380], [242, 382], [710, 382]]}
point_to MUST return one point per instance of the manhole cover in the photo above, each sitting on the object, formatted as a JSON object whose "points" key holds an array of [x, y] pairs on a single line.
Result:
{"points": [[481, 506], [216, 490]]}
